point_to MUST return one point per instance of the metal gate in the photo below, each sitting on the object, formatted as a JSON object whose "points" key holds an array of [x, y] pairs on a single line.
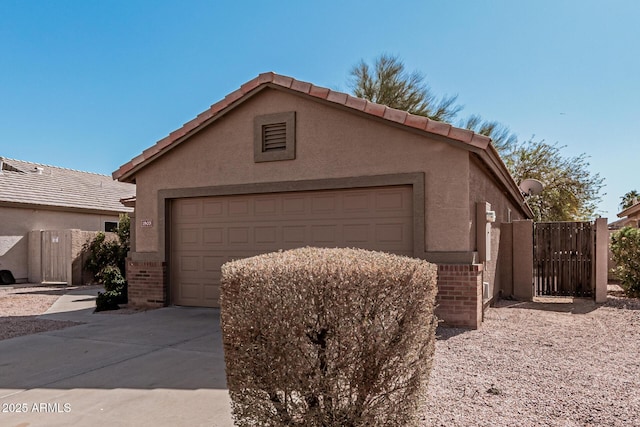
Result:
{"points": [[563, 258]]}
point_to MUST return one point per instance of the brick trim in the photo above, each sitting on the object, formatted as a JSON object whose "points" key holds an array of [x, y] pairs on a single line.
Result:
{"points": [[147, 283], [460, 295]]}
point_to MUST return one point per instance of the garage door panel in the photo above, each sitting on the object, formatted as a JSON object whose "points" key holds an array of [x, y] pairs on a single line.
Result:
{"points": [[390, 233], [356, 233], [213, 236], [238, 235], [294, 205], [265, 207], [213, 263], [238, 207], [358, 202], [212, 209], [266, 234], [209, 231]]}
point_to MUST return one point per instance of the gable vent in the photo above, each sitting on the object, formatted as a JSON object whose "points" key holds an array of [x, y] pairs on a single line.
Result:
{"points": [[274, 137]]}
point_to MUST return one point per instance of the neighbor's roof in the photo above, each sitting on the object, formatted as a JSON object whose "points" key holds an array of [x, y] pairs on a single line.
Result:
{"points": [[32, 184], [630, 211], [468, 139]]}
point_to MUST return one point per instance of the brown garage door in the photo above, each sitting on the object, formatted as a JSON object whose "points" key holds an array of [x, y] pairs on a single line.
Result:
{"points": [[209, 231]]}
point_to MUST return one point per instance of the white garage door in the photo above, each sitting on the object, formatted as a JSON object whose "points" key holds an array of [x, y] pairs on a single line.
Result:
{"points": [[209, 231]]}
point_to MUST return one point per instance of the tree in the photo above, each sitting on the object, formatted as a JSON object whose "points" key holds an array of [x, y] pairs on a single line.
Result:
{"points": [[389, 84], [629, 199], [501, 136], [571, 191]]}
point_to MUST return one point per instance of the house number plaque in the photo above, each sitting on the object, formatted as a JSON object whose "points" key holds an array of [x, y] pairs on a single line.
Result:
{"points": [[147, 223]]}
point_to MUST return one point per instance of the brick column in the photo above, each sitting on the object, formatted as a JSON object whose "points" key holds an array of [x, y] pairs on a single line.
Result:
{"points": [[147, 283], [460, 295]]}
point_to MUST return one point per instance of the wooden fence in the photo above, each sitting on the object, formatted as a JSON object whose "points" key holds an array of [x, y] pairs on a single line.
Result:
{"points": [[563, 258]]}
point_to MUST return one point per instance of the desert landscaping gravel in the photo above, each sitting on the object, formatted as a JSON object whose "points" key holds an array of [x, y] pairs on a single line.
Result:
{"points": [[19, 307], [540, 365], [530, 364]]}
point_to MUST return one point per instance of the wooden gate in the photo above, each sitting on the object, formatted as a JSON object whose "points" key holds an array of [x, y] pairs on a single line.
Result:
{"points": [[563, 258]]}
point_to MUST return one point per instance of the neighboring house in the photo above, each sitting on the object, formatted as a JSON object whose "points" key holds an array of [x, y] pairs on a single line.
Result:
{"points": [[281, 163], [35, 197], [628, 217]]}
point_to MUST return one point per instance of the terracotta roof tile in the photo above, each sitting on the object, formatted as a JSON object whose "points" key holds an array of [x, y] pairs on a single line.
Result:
{"points": [[319, 92], [394, 115], [164, 142], [340, 98], [179, 133], [355, 103], [337, 97], [151, 151], [299, 86], [266, 77], [440, 128], [283, 81], [250, 85], [418, 122], [463, 135], [234, 96], [138, 159], [480, 141], [205, 115], [22, 183], [375, 109]]}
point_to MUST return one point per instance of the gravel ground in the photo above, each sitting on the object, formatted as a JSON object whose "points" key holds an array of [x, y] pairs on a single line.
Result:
{"points": [[540, 365], [19, 307], [531, 364]]}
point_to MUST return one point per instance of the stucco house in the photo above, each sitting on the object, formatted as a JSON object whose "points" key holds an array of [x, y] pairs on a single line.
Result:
{"points": [[629, 217], [35, 198], [281, 163]]}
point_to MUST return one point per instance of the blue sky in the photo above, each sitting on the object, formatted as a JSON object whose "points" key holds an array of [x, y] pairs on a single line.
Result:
{"points": [[90, 84]]}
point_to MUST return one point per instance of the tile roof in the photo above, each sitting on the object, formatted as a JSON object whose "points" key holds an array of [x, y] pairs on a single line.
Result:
{"points": [[283, 82], [26, 183]]}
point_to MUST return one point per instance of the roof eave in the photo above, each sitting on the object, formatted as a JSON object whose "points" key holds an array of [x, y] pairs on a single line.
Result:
{"points": [[23, 205]]}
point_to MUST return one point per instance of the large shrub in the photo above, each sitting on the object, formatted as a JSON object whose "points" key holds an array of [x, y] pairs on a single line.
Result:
{"points": [[327, 337], [625, 247], [106, 260]]}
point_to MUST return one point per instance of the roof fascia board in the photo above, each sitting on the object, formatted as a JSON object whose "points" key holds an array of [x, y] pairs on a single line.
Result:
{"points": [[497, 167], [72, 209], [129, 176], [630, 211]]}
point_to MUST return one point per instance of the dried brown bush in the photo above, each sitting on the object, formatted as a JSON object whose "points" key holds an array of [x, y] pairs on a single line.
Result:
{"points": [[327, 337]]}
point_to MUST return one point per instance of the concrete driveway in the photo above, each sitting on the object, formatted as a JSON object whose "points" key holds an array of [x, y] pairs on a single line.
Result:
{"points": [[162, 367]]}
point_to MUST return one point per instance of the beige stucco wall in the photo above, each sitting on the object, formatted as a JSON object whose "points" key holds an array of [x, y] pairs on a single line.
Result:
{"points": [[330, 143], [18, 222], [483, 188]]}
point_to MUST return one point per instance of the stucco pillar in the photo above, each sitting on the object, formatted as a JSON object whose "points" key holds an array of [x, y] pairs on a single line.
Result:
{"points": [[601, 260], [34, 259], [523, 260]]}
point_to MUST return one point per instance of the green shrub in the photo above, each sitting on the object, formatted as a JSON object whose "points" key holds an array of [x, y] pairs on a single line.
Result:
{"points": [[106, 261], [107, 301], [328, 337], [625, 247], [114, 282]]}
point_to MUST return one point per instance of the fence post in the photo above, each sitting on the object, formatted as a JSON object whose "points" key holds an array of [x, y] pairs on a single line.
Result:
{"points": [[523, 260], [601, 261]]}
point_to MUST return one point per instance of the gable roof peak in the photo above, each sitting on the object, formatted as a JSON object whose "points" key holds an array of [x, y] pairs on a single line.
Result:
{"points": [[282, 82]]}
